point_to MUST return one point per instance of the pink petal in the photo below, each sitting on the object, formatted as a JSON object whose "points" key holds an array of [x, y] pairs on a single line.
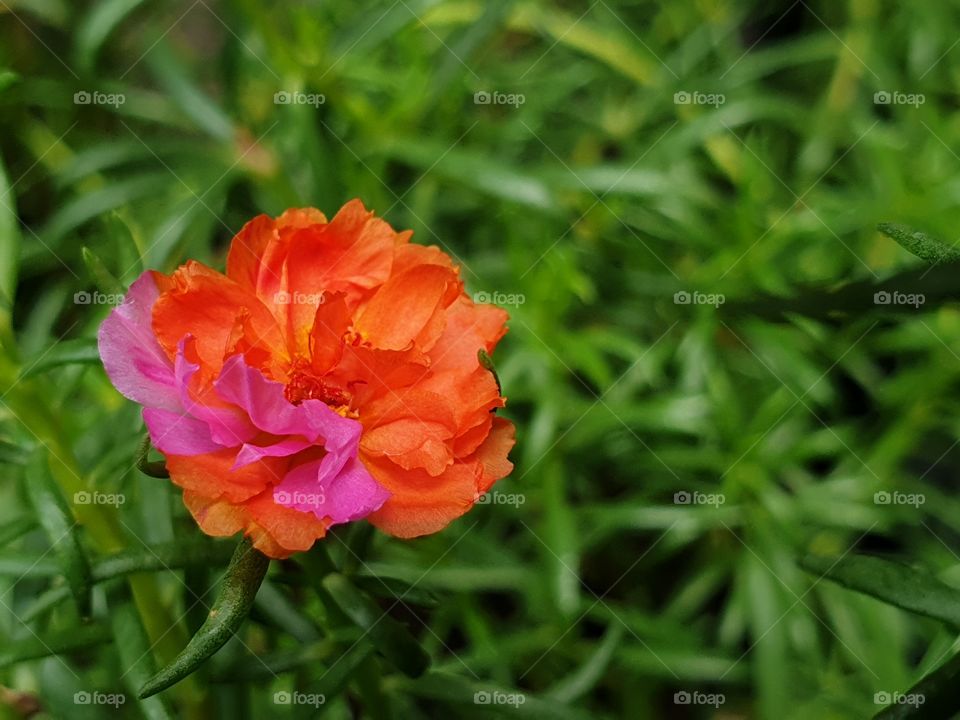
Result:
{"points": [[269, 409], [176, 433], [251, 453], [132, 357], [228, 427], [350, 495]]}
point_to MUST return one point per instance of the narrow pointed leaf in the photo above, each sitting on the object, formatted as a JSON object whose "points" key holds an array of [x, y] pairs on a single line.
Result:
{"points": [[16, 528], [133, 648], [62, 530], [390, 637], [920, 244], [55, 643], [340, 671], [892, 582], [97, 26], [79, 351], [104, 279], [939, 692], [9, 244], [237, 593]]}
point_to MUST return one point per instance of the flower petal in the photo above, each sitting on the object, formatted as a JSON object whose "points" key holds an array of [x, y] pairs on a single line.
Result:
{"points": [[349, 495], [135, 363]]}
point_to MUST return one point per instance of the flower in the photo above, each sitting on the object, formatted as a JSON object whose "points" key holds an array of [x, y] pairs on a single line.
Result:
{"points": [[332, 374]]}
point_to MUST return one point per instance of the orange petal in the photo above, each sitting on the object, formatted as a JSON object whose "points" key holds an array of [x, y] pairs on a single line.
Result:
{"points": [[353, 253], [207, 305], [492, 454], [412, 428], [409, 308], [212, 476], [469, 328], [421, 504], [276, 531], [330, 324]]}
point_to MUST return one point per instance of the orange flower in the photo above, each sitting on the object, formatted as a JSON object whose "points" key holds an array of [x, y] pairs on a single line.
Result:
{"points": [[332, 374]]}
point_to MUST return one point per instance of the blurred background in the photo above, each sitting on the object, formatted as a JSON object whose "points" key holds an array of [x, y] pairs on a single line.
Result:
{"points": [[659, 194]]}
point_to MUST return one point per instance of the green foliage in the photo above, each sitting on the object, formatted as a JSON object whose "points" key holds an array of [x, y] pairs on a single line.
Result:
{"points": [[716, 363]]}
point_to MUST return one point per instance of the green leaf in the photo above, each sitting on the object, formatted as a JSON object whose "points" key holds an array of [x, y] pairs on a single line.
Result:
{"points": [[939, 692], [9, 252], [892, 582], [164, 557], [104, 279], [584, 678], [391, 588], [79, 351], [390, 637], [130, 639], [97, 25], [61, 528], [456, 690], [334, 679], [936, 284], [153, 468], [920, 244], [195, 104], [241, 581], [14, 529], [59, 642]]}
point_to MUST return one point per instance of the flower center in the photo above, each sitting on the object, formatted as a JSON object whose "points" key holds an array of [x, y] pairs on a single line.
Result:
{"points": [[303, 385]]}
